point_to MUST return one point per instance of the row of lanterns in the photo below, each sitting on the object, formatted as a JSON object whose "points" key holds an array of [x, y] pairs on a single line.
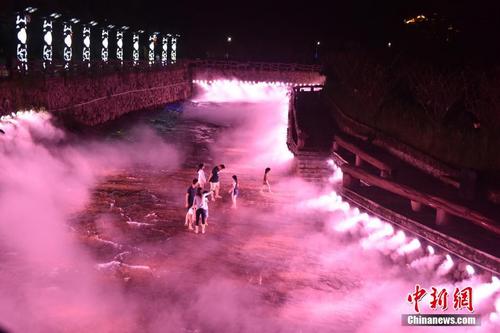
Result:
{"points": [[168, 42]]}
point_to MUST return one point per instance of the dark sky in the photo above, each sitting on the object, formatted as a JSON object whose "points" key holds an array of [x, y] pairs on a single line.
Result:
{"points": [[278, 27]]}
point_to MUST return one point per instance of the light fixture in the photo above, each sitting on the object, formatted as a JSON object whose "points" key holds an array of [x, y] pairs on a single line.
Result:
{"points": [[47, 42], [31, 10], [119, 45], [55, 15], [173, 48], [135, 48], [104, 45], [68, 42], [74, 20], [151, 53], [22, 39], [93, 23], [125, 27], [229, 39], [86, 44], [470, 270], [164, 50]]}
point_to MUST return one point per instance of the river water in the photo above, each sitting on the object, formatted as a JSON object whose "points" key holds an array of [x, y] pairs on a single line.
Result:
{"points": [[92, 234]]}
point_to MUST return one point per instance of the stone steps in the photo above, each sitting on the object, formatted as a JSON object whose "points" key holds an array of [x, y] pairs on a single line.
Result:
{"points": [[312, 166]]}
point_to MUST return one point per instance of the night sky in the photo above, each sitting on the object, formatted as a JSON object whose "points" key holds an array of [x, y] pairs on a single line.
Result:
{"points": [[273, 30]]}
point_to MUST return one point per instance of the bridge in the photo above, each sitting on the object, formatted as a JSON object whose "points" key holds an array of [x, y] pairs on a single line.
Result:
{"points": [[96, 94]]}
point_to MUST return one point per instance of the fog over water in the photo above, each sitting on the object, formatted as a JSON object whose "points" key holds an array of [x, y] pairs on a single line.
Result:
{"points": [[92, 236]]}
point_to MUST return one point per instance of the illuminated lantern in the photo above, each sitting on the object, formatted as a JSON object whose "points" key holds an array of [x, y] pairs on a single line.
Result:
{"points": [[47, 42], [164, 51], [173, 49], [86, 44], [151, 53], [68, 41], [105, 45], [22, 38], [119, 45], [135, 48]]}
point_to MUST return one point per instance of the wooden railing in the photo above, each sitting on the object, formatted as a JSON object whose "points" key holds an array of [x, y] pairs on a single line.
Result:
{"points": [[444, 208], [362, 156]]}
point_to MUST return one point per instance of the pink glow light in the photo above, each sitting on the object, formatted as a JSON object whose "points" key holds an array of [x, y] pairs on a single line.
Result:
{"points": [[270, 138], [410, 247]]}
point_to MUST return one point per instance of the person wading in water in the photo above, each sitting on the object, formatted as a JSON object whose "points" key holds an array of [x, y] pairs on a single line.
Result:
{"points": [[234, 191], [201, 204], [190, 194], [265, 183], [214, 181]]}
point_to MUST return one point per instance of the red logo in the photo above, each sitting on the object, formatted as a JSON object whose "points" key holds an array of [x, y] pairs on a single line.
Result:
{"points": [[439, 298]]}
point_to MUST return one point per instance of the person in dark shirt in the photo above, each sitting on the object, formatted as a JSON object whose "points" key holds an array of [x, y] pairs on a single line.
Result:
{"points": [[214, 181], [190, 194]]}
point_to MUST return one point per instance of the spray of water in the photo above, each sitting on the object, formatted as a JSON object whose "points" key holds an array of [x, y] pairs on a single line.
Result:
{"points": [[307, 262]]}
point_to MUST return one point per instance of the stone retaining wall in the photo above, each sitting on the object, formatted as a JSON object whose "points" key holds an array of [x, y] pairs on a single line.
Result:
{"points": [[93, 98]]}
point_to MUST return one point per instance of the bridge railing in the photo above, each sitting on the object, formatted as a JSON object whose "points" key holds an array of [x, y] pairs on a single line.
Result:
{"points": [[257, 66], [36, 69]]}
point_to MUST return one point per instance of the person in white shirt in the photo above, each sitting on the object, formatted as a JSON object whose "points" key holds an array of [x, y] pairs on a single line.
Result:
{"points": [[202, 178], [201, 204]]}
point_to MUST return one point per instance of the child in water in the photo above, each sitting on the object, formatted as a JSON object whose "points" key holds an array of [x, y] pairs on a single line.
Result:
{"points": [[214, 181], [234, 191], [201, 204], [200, 174], [265, 182], [190, 194]]}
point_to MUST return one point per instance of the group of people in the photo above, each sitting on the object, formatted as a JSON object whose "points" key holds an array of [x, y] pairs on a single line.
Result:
{"points": [[197, 197]]}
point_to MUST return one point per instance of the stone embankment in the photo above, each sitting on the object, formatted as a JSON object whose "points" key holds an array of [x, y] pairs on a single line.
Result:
{"points": [[94, 97]]}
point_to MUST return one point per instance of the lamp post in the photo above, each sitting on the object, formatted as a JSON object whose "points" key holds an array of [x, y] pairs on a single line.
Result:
{"points": [[22, 19], [68, 41], [229, 39], [316, 53]]}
